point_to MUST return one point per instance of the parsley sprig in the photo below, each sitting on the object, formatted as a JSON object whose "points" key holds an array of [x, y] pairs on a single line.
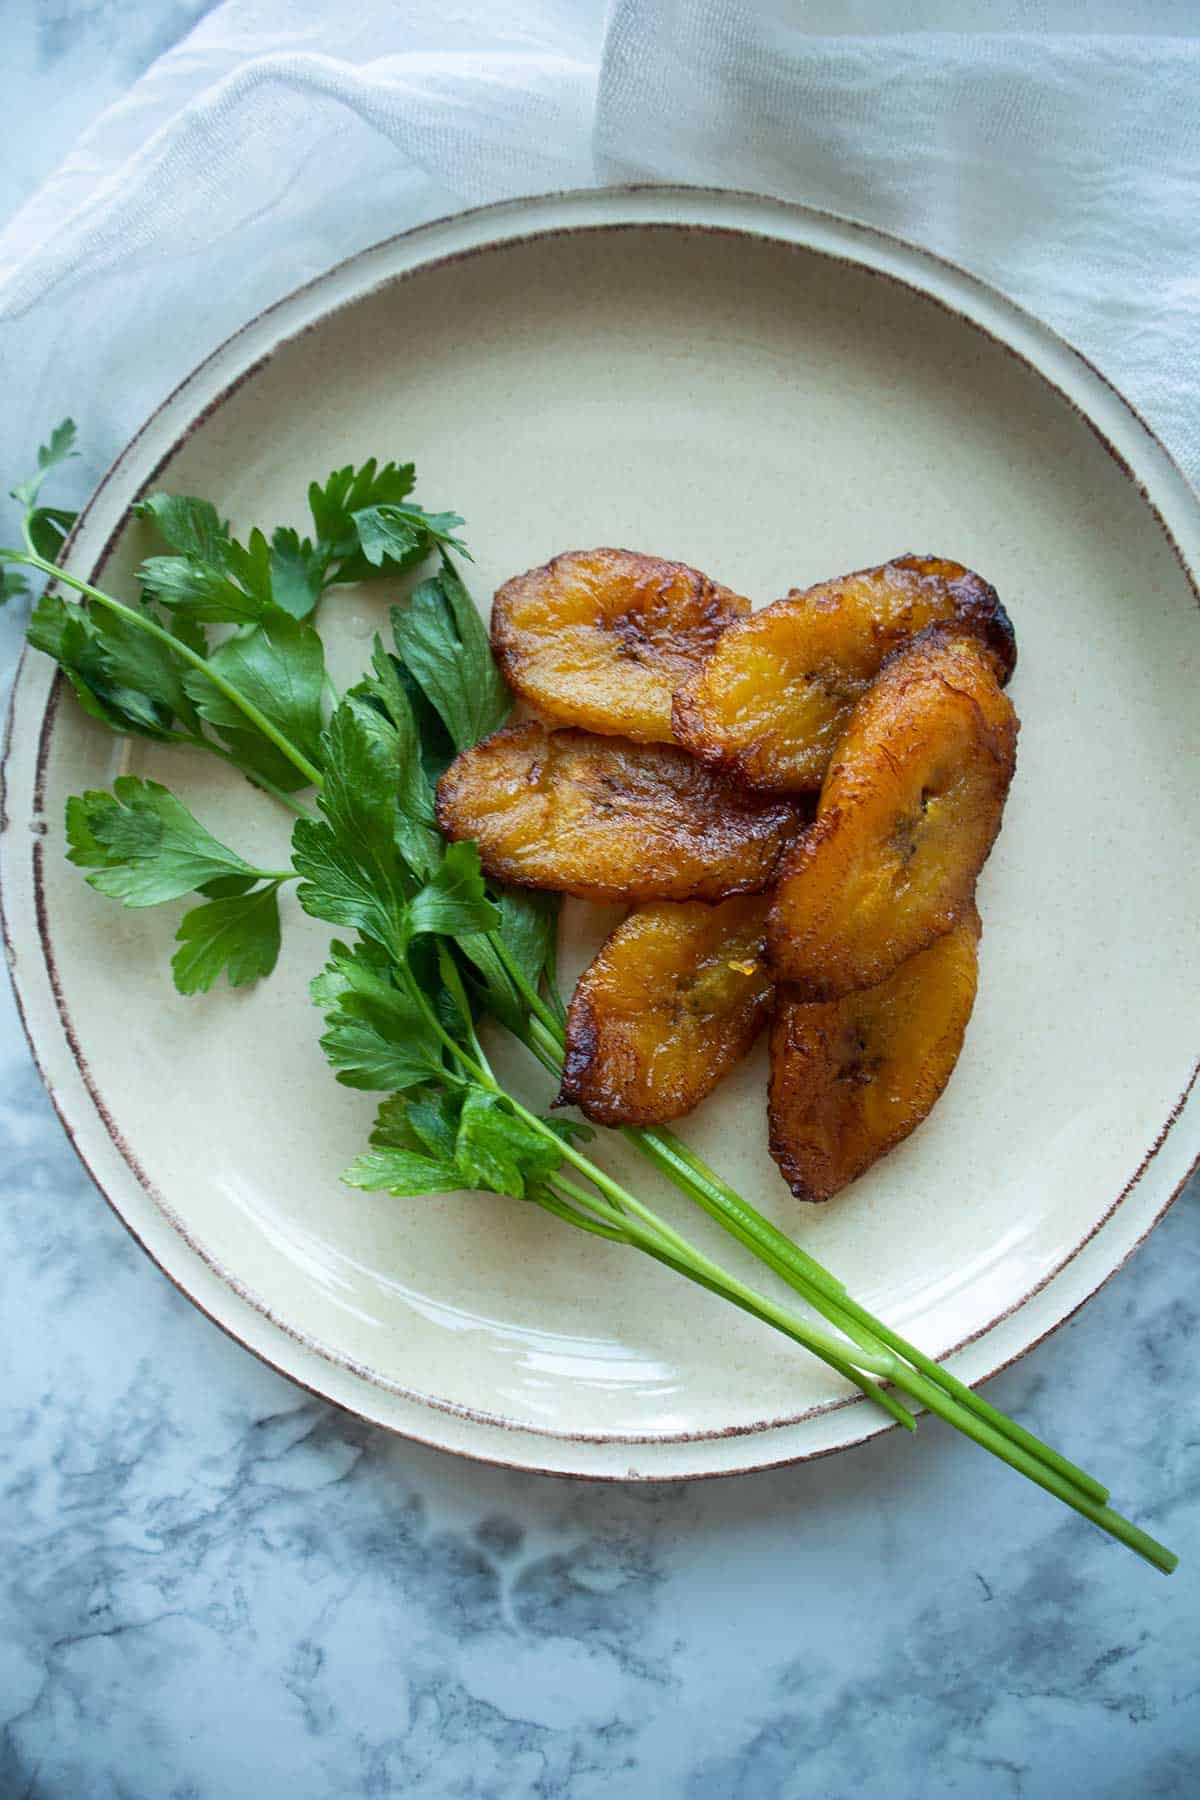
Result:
{"points": [[437, 957], [143, 847], [152, 669]]}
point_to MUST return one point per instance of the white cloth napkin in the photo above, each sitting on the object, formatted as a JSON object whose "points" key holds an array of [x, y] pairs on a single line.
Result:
{"points": [[281, 135]]}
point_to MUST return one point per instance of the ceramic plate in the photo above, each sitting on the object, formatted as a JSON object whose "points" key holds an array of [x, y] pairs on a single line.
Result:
{"points": [[774, 396]]}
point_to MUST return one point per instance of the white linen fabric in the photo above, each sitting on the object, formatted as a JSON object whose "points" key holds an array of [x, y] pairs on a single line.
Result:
{"points": [[1056, 154]]}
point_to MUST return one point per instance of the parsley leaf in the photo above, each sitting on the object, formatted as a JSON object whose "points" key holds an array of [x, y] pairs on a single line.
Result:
{"points": [[336, 885], [67, 634], [49, 456], [497, 1151], [140, 665], [491, 982], [144, 846], [377, 1037], [442, 641], [353, 873], [438, 1140], [402, 535], [201, 590], [238, 934], [49, 528], [365, 527], [297, 572], [413, 1145], [215, 578], [190, 526], [348, 490], [529, 930], [345, 492], [12, 583], [425, 1119], [231, 585], [95, 653], [529, 927], [417, 835], [454, 899], [280, 666], [402, 1172], [437, 746]]}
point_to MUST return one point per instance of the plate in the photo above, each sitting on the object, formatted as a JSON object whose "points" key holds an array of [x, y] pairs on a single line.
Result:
{"points": [[773, 395]]}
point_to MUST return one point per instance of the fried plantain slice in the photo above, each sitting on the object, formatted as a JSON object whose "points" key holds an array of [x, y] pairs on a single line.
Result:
{"points": [[909, 811], [851, 1078], [605, 819], [675, 997], [601, 638], [773, 698]]}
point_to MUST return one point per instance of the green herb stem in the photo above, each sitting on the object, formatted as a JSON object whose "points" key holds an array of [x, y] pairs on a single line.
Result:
{"points": [[552, 1201], [965, 1419], [233, 694], [707, 1275], [999, 1438], [868, 1361], [744, 1222], [925, 1381], [633, 1213], [528, 992]]}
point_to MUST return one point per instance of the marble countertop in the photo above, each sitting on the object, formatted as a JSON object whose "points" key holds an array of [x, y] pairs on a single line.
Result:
{"points": [[215, 1586]]}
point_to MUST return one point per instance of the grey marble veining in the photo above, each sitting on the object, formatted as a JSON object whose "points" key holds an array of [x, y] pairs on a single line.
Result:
{"points": [[213, 1586]]}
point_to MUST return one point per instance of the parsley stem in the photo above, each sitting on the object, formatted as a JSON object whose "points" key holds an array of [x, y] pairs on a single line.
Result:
{"points": [[628, 1204], [478, 1071], [1036, 1464], [1036, 1468], [528, 991], [130, 613], [708, 1275], [742, 1221], [553, 1202], [695, 1258]]}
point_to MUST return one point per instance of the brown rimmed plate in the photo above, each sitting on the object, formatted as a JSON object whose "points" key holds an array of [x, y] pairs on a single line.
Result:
{"points": [[774, 395]]}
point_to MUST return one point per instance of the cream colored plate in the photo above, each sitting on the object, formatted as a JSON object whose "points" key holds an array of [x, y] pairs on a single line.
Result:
{"points": [[775, 396]]}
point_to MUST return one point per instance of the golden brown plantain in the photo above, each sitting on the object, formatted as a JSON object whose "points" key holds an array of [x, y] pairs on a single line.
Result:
{"points": [[609, 820], [675, 997], [850, 1078], [909, 811], [601, 638], [772, 699]]}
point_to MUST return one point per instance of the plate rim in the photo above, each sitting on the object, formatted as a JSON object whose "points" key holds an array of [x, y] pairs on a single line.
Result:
{"points": [[526, 218]]}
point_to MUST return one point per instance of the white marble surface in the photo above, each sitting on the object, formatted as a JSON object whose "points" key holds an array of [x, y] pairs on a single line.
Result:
{"points": [[214, 1586]]}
